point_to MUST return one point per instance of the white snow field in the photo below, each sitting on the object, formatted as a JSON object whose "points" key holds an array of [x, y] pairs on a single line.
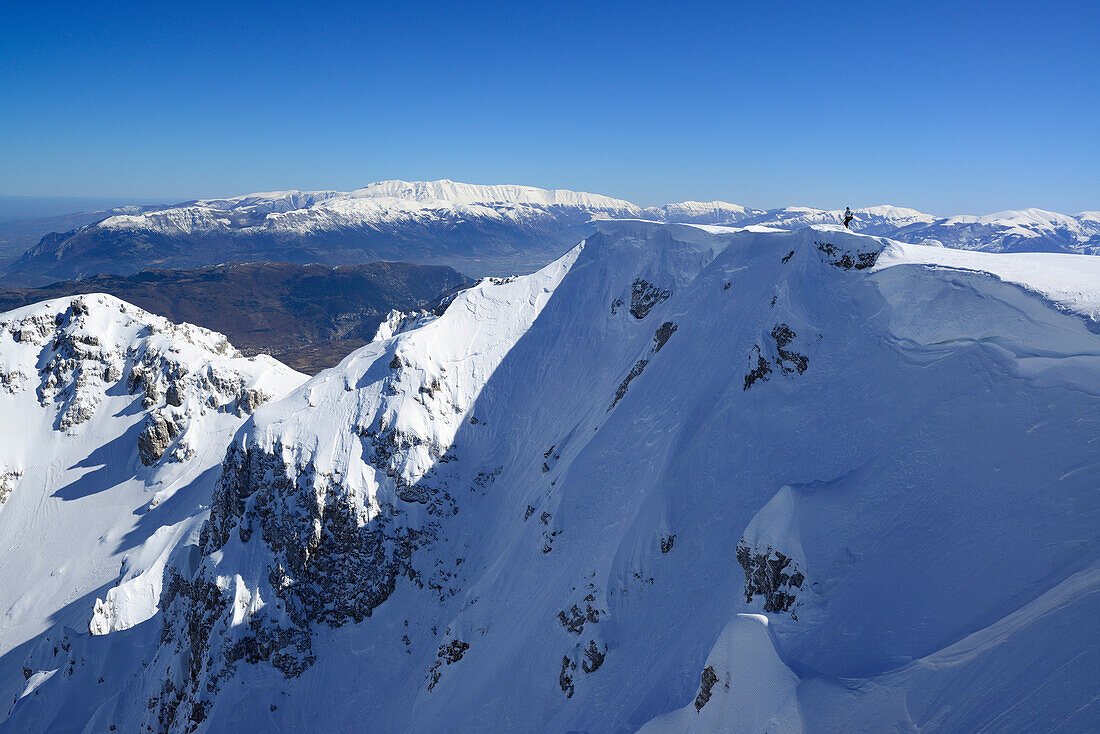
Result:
{"points": [[684, 478]]}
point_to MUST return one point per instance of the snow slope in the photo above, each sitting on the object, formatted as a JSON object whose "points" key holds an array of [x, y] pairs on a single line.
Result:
{"points": [[683, 478], [111, 423]]}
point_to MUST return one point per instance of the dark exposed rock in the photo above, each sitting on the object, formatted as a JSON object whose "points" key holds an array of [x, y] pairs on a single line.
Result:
{"points": [[453, 651], [565, 677], [759, 372], [575, 619], [172, 395], [644, 296], [79, 308], [664, 332], [485, 479], [847, 260], [527, 514], [329, 564], [789, 360], [634, 372], [709, 678], [788, 256], [616, 305], [593, 657], [667, 542], [770, 574]]}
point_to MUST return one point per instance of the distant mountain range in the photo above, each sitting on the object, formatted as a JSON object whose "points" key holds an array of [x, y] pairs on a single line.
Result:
{"points": [[476, 229], [308, 316]]}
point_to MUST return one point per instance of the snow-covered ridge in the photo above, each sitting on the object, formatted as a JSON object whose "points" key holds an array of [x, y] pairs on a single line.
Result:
{"points": [[686, 477], [470, 194], [381, 201], [107, 413]]}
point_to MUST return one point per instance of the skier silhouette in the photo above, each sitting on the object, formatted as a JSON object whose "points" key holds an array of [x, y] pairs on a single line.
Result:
{"points": [[847, 217]]}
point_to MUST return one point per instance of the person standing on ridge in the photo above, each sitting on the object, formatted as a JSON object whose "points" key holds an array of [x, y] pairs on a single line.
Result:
{"points": [[847, 217]]}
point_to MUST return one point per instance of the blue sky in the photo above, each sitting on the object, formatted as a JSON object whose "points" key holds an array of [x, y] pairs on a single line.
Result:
{"points": [[949, 107]]}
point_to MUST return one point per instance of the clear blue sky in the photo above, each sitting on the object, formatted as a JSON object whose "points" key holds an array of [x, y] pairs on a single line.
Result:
{"points": [[947, 106]]}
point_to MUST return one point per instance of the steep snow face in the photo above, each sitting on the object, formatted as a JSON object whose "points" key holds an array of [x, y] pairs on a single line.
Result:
{"points": [[111, 421], [684, 477]]}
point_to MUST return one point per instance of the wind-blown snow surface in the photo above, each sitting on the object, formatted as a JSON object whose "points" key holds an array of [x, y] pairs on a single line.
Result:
{"points": [[112, 422], [682, 478]]}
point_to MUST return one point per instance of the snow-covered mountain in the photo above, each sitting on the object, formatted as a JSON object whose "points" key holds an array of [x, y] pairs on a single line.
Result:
{"points": [[498, 229], [476, 229], [1029, 230], [684, 478], [112, 423]]}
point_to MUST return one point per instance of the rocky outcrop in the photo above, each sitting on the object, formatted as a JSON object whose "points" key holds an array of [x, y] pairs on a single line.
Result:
{"points": [[620, 392], [759, 371], [449, 652], [847, 259], [772, 575], [708, 679], [644, 296], [594, 655], [786, 360], [156, 437], [565, 677], [8, 478], [664, 333]]}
